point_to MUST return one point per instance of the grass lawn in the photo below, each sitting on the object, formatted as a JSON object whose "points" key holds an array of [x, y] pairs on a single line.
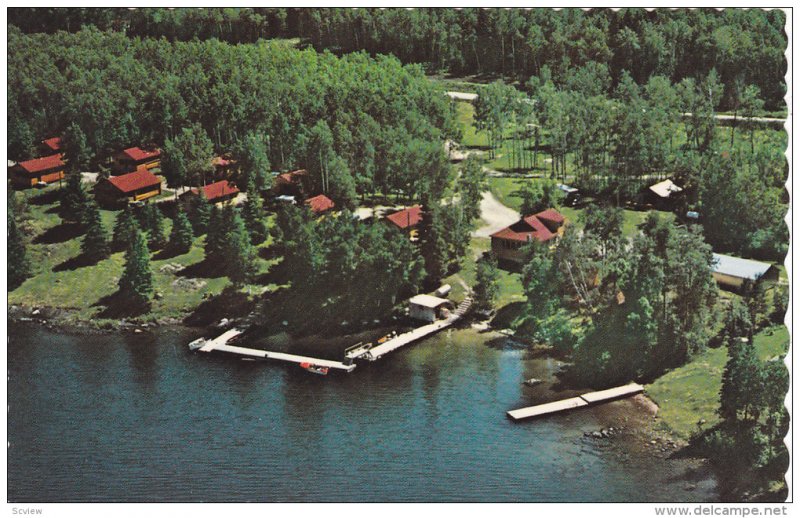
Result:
{"points": [[60, 282], [504, 189], [508, 282], [690, 393]]}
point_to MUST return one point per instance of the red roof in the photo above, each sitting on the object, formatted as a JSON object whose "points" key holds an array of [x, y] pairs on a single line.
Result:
{"points": [[406, 218], [131, 182], [54, 143], [219, 189], [551, 216], [138, 154], [221, 161], [292, 176], [38, 165], [532, 227], [319, 204]]}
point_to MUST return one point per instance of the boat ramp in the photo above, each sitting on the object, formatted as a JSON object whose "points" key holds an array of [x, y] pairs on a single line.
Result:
{"points": [[590, 398]]}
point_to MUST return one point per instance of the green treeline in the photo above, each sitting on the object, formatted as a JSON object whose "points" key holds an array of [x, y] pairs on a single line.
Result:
{"points": [[744, 46], [360, 125]]}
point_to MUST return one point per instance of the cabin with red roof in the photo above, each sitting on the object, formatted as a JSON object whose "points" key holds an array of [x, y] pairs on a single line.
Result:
{"points": [[134, 158], [507, 244], [293, 183], [218, 192], [320, 204], [136, 186], [42, 170], [51, 145], [224, 166], [407, 218]]}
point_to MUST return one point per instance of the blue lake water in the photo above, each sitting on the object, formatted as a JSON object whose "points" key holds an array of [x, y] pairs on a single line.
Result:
{"points": [[124, 417]]}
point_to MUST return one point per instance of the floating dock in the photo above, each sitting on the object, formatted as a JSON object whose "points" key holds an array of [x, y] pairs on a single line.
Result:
{"points": [[590, 398]]}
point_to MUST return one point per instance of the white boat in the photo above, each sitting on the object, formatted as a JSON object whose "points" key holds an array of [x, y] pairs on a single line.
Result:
{"points": [[197, 344]]}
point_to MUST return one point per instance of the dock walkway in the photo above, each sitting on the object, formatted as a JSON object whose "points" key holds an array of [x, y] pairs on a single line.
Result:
{"points": [[590, 398], [419, 333], [220, 343]]}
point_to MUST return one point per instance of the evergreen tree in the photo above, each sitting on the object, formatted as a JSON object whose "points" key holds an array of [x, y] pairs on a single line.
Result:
{"points": [[74, 199], [76, 149], [741, 382], [201, 211], [18, 266], [486, 288], [239, 254], [180, 239], [95, 244], [125, 228], [156, 234], [215, 237], [433, 244], [136, 282], [255, 217]]}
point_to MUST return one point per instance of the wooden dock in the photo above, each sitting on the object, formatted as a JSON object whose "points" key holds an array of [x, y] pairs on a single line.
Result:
{"points": [[220, 343], [547, 408], [374, 353], [590, 398]]}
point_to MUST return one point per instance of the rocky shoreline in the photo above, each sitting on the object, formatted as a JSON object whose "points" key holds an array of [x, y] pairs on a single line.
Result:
{"points": [[61, 318]]}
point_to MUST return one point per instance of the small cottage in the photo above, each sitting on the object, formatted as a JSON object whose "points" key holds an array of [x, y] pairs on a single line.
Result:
{"points": [[135, 158], [51, 145], [293, 183], [218, 192], [508, 243], [38, 171], [731, 272], [663, 195], [319, 204], [119, 190]]}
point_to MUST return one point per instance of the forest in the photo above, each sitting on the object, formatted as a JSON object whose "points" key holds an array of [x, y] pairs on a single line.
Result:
{"points": [[606, 101], [744, 46]]}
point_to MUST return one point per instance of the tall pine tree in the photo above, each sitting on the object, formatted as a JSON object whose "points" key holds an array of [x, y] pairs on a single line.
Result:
{"points": [[125, 228], [200, 214], [254, 216], [74, 200], [180, 239], [95, 244], [136, 282]]}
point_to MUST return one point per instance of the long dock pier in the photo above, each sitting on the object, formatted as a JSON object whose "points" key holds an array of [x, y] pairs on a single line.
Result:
{"points": [[367, 352], [220, 343], [590, 398]]}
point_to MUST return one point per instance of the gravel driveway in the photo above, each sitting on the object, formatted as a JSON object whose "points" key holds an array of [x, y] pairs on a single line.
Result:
{"points": [[495, 216]]}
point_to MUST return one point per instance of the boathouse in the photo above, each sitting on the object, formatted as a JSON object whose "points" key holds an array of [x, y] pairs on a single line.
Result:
{"points": [[134, 158], [319, 204], [428, 308], [508, 243], [38, 171], [137, 186], [732, 272]]}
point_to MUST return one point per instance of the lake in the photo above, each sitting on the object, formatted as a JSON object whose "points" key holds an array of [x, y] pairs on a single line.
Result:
{"points": [[137, 417]]}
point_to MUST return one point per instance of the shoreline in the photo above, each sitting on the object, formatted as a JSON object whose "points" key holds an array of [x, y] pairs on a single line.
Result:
{"points": [[628, 428]]}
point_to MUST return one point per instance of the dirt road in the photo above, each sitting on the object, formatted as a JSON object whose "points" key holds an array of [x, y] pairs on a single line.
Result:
{"points": [[495, 216]]}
